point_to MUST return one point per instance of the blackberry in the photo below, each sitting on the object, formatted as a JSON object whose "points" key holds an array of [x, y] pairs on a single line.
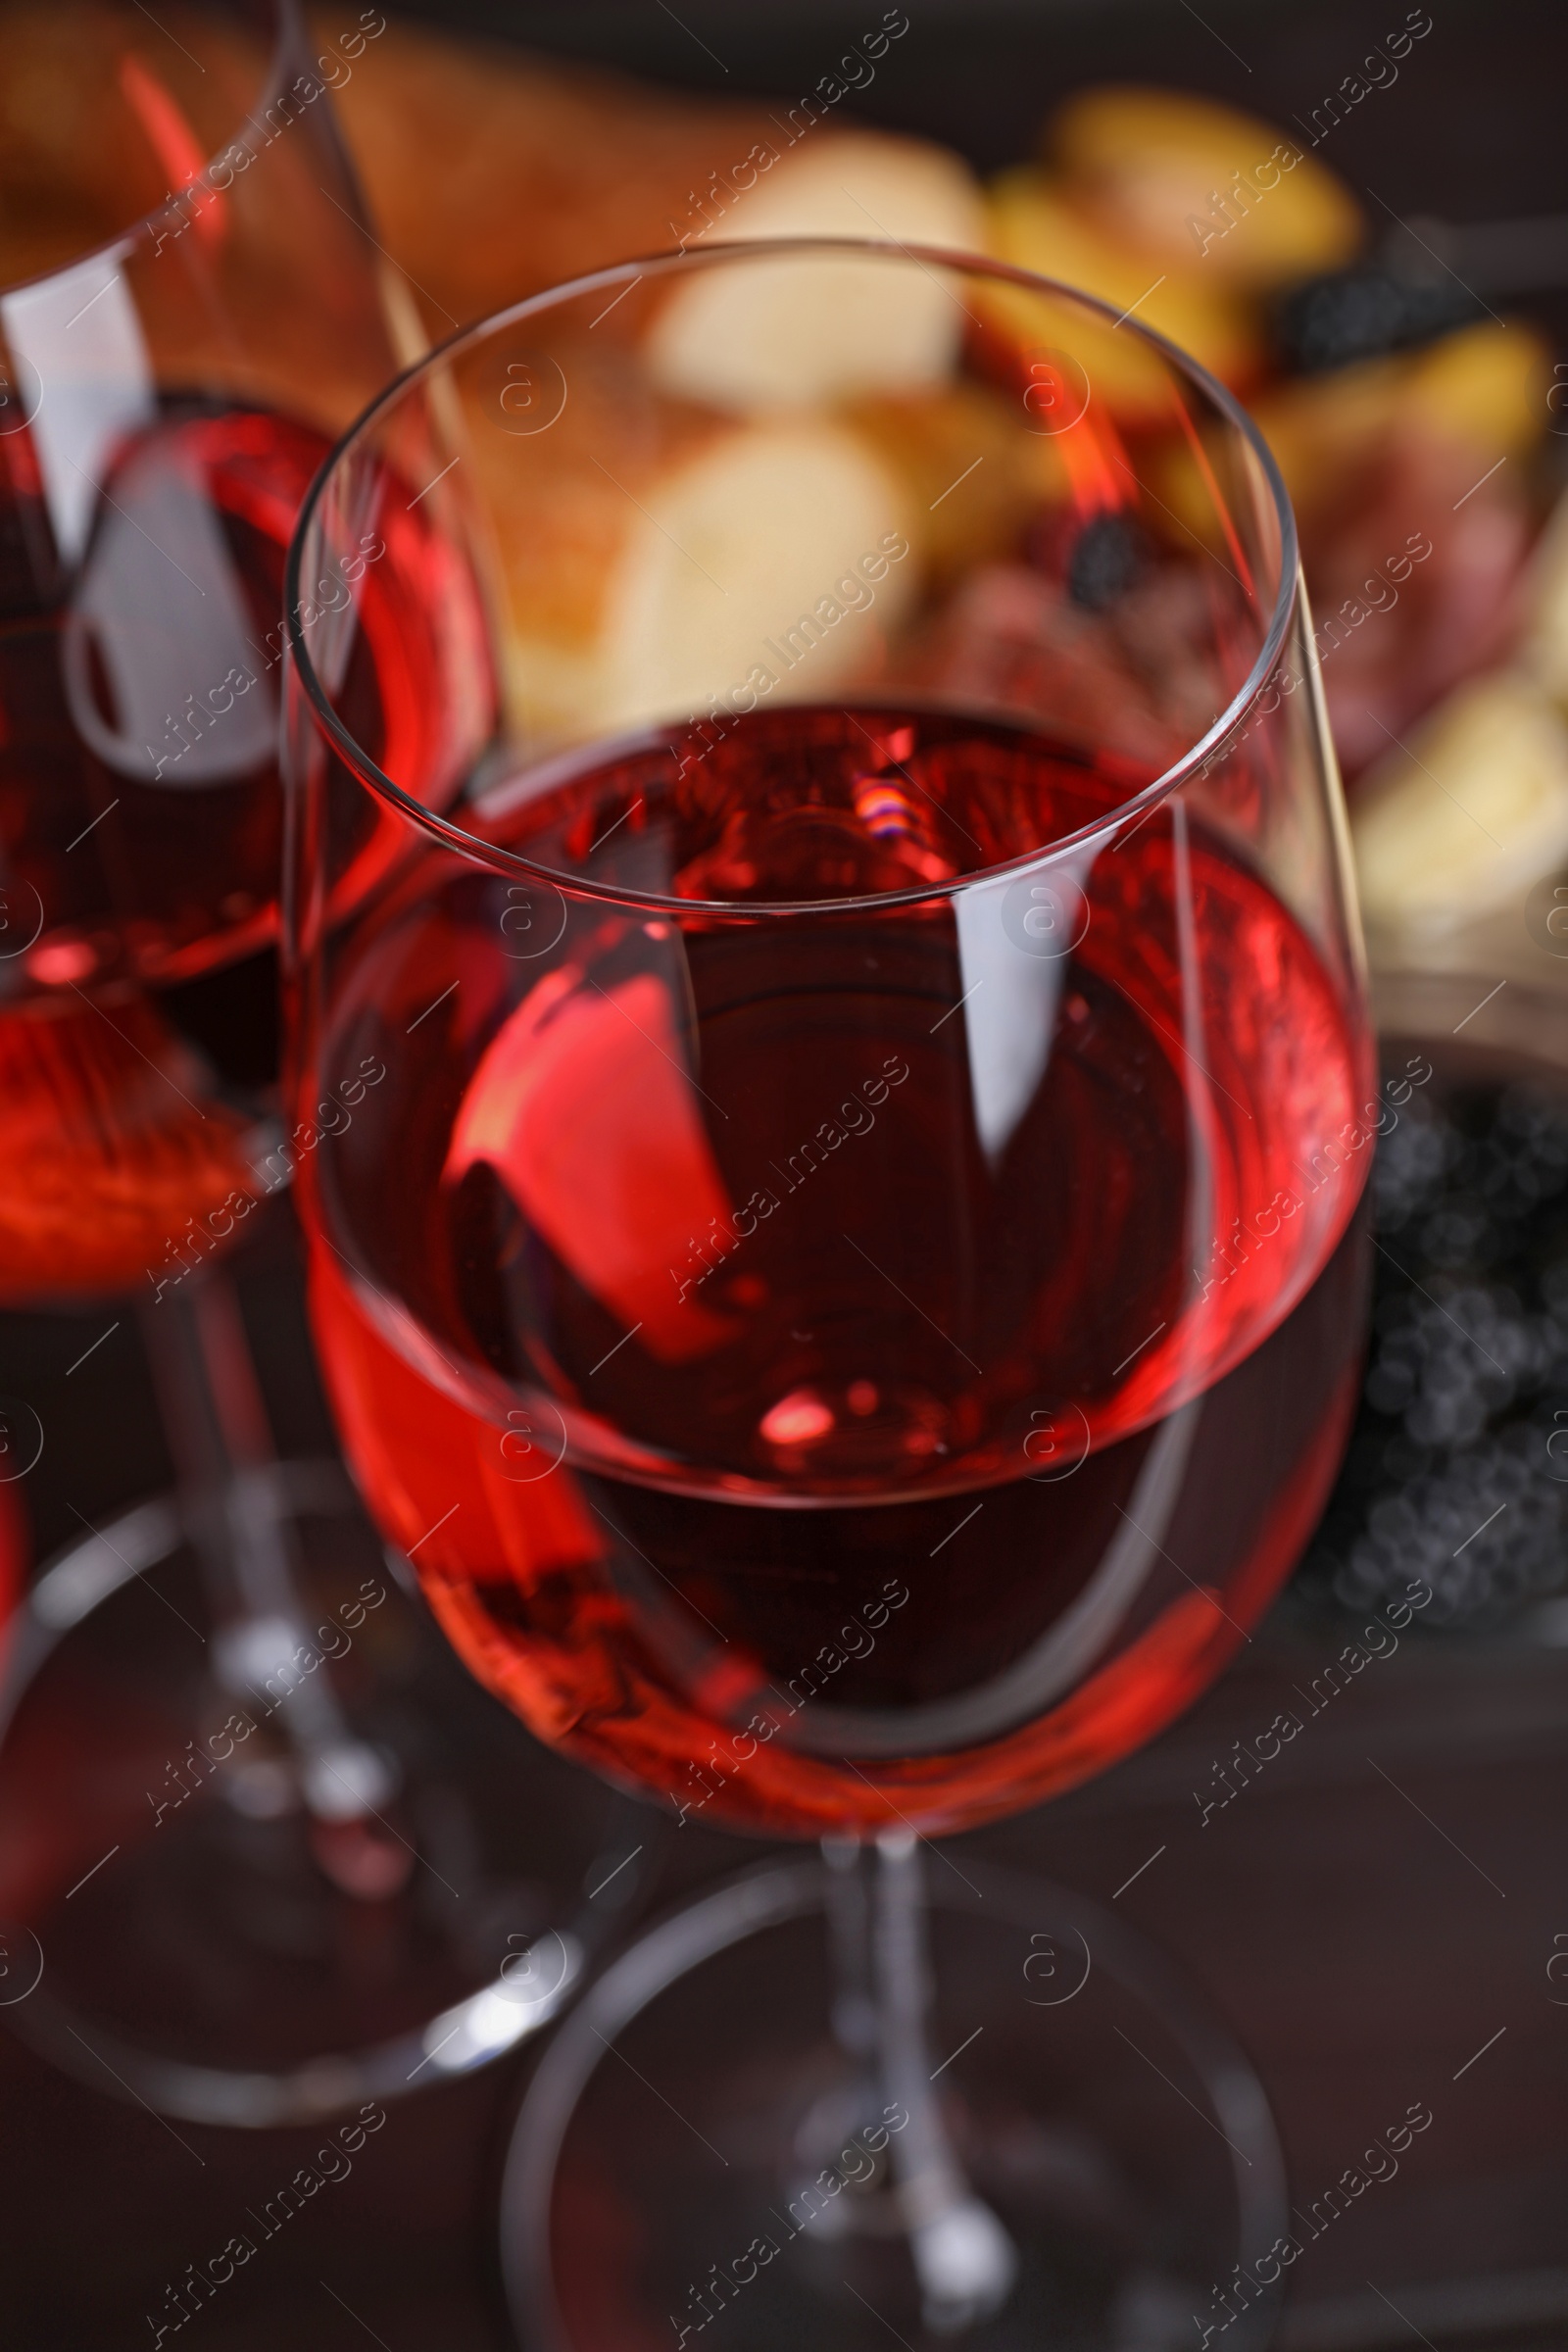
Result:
{"points": [[1361, 314], [1457, 1468], [1108, 557]]}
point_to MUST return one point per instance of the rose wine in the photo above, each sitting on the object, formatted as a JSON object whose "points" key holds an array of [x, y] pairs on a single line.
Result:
{"points": [[140, 816], [840, 1365], [140, 826]]}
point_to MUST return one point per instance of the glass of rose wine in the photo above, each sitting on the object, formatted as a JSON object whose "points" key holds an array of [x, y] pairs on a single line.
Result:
{"points": [[851, 1289], [232, 1863]]}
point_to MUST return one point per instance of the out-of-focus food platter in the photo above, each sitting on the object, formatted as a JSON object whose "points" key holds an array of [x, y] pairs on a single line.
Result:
{"points": [[1414, 417]]}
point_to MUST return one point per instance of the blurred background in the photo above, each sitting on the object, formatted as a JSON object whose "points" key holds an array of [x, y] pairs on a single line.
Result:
{"points": [[1380, 1916]]}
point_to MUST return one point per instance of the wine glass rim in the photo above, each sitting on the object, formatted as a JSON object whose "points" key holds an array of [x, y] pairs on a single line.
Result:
{"points": [[117, 248], [625, 274]]}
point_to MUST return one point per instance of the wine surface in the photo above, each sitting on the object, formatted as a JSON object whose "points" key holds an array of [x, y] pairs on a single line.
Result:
{"points": [[866, 1362]]}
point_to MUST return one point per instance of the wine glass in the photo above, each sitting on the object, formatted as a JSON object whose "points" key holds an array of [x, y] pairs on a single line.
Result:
{"points": [[851, 1288], [252, 1829]]}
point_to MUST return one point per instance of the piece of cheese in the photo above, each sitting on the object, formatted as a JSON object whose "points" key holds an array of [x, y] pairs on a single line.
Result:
{"points": [[1467, 818]]}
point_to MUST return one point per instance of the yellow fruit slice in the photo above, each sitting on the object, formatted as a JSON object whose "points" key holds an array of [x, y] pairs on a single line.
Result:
{"points": [[1185, 182], [1030, 223]]}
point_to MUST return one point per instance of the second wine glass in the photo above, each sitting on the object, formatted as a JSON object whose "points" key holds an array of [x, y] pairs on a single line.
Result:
{"points": [[222, 1872]]}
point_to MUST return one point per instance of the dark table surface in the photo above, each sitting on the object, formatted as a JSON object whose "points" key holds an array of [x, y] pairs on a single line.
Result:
{"points": [[1374, 1910], [1381, 1904]]}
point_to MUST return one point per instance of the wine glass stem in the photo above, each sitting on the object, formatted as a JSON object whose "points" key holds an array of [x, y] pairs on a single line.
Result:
{"points": [[964, 2258], [218, 1431]]}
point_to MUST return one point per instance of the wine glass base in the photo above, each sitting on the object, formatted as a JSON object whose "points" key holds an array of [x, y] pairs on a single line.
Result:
{"points": [[694, 2148], [177, 1925]]}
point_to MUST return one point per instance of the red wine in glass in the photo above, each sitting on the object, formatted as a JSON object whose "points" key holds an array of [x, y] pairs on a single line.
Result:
{"points": [[193, 311], [802, 1387], [140, 831]]}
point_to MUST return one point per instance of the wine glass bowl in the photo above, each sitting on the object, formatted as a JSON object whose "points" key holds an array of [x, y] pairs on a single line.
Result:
{"points": [[189, 308], [868, 1304]]}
